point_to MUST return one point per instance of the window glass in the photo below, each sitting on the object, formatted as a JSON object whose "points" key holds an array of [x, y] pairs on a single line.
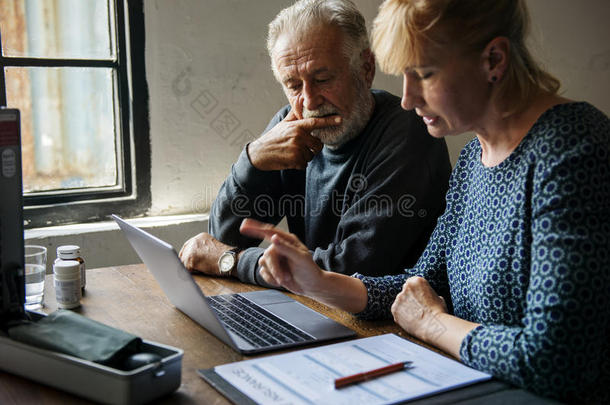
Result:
{"points": [[68, 126], [64, 29], [68, 66]]}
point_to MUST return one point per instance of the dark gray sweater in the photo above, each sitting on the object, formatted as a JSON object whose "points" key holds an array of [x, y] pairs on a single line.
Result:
{"points": [[368, 207]]}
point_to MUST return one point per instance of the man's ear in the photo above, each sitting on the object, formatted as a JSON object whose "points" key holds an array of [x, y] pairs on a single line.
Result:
{"points": [[495, 58], [368, 66]]}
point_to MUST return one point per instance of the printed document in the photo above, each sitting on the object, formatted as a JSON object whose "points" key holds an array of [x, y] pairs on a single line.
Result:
{"points": [[307, 376]]}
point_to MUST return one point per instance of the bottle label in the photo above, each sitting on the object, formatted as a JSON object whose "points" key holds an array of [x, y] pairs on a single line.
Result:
{"points": [[68, 291]]}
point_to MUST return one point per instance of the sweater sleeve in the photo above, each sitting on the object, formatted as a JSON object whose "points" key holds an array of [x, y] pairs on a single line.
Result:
{"points": [[246, 193], [382, 291], [397, 197], [561, 346]]}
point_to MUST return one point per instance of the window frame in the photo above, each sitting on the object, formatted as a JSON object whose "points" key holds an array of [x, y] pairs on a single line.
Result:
{"points": [[134, 197]]}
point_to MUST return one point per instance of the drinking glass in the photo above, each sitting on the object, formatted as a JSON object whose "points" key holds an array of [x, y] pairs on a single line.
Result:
{"points": [[35, 270]]}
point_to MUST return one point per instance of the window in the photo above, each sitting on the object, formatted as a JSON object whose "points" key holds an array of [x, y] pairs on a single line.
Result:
{"points": [[75, 70]]}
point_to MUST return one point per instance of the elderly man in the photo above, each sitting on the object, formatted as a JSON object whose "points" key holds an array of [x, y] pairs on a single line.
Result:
{"points": [[358, 179]]}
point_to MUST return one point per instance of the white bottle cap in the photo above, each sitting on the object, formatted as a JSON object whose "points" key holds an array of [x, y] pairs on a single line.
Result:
{"points": [[68, 251], [67, 268]]}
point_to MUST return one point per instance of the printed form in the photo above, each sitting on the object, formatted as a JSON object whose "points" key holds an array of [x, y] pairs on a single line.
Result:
{"points": [[307, 376]]}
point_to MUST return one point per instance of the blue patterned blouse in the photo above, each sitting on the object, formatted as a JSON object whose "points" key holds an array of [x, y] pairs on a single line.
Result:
{"points": [[523, 248]]}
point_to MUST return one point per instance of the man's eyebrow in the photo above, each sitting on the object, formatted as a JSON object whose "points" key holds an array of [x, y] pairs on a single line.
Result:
{"points": [[321, 70], [289, 80]]}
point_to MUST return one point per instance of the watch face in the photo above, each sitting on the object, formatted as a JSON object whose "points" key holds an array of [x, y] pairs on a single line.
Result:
{"points": [[226, 262]]}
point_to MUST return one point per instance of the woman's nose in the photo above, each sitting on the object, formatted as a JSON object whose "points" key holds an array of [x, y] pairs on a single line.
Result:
{"points": [[411, 96]]}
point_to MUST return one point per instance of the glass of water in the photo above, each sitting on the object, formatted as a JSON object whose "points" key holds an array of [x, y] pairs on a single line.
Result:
{"points": [[35, 269]]}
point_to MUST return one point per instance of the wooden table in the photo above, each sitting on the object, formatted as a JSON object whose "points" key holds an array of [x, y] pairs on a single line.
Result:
{"points": [[129, 298]]}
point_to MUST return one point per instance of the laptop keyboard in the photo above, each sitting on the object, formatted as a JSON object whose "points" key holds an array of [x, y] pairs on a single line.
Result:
{"points": [[254, 324]]}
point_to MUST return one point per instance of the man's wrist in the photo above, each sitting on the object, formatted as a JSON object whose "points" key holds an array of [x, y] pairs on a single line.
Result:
{"points": [[227, 262], [249, 151], [233, 272]]}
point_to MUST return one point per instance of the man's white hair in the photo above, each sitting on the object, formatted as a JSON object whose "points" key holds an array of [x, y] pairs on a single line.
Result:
{"points": [[305, 15]]}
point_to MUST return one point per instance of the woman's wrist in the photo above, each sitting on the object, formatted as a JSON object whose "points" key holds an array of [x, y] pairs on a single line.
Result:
{"points": [[340, 291], [448, 333]]}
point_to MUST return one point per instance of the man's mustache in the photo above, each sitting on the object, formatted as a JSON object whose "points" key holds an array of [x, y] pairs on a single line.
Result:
{"points": [[323, 111]]}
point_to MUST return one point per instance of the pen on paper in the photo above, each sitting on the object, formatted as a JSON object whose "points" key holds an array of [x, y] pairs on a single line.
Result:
{"points": [[367, 375]]}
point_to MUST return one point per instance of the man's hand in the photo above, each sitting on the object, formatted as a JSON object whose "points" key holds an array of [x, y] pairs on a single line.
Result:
{"points": [[417, 310], [289, 145], [201, 253]]}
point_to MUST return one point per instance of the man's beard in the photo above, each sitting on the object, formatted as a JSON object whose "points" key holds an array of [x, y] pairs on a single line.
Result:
{"points": [[336, 136]]}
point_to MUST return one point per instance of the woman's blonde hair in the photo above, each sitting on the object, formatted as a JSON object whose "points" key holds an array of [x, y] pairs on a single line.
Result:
{"points": [[404, 29]]}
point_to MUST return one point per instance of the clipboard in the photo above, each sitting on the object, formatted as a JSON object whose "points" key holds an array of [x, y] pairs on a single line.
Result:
{"points": [[285, 376], [483, 391], [224, 387]]}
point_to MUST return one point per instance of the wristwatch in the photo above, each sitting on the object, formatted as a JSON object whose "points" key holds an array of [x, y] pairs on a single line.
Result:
{"points": [[228, 262]]}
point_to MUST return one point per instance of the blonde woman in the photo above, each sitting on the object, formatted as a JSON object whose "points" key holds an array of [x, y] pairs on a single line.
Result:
{"points": [[515, 279]]}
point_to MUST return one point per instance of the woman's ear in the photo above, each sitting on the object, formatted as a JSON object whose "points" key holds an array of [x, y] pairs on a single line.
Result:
{"points": [[495, 57]]}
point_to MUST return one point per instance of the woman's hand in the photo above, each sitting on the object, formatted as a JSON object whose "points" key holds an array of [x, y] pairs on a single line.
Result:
{"points": [[418, 310], [286, 262], [289, 264], [423, 314]]}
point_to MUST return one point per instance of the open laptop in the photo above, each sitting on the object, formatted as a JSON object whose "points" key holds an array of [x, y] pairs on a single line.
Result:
{"points": [[251, 322]]}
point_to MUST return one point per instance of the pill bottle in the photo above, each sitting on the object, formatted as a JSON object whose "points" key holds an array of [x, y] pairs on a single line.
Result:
{"points": [[66, 278], [72, 252]]}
